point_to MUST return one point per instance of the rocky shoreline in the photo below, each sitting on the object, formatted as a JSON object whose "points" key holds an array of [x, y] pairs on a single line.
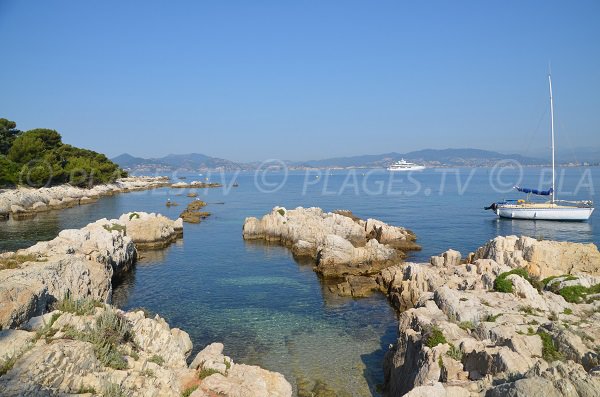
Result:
{"points": [[25, 203], [60, 336], [519, 317]]}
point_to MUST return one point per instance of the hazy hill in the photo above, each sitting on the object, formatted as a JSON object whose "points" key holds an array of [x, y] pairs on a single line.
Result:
{"points": [[430, 157], [447, 157], [190, 162]]}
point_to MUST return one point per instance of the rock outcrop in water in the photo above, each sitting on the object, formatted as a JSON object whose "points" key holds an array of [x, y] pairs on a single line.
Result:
{"points": [[192, 213], [79, 263], [57, 336], [23, 203], [492, 327], [342, 245]]}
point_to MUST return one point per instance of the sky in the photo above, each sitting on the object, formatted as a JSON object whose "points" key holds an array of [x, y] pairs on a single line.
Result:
{"points": [[299, 80]]}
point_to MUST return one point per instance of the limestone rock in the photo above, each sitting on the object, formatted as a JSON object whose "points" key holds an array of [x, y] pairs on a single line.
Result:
{"points": [[78, 262], [542, 258], [63, 196]]}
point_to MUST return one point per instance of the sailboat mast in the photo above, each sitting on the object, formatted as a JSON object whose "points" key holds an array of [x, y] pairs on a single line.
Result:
{"points": [[552, 133]]}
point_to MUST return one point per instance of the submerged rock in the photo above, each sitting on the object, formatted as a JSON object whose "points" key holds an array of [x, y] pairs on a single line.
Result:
{"points": [[192, 213]]}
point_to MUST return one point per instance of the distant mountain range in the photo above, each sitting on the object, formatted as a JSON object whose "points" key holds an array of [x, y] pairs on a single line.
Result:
{"points": [[172, 162], [428, 157]]}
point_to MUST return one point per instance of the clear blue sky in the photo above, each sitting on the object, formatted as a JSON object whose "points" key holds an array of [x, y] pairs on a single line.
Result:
{"points": [[249, 80]]}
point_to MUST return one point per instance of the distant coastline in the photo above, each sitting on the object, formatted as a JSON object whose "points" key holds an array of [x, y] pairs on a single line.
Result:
{"points": [[431, 158]]}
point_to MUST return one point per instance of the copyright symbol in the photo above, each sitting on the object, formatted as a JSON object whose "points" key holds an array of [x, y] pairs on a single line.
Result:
{"points": [[502, 179], [266, 177], [36, 173]]}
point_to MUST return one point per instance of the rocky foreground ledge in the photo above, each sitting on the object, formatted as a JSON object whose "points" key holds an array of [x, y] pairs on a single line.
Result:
{"points": [[519, 317], [24, 202], [344, 248], [59, 337]]}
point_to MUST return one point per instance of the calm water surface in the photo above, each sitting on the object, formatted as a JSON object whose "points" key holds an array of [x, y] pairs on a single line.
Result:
{"points": [[272, 311]]}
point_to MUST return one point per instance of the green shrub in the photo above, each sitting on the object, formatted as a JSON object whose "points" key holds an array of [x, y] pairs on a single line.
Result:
{"points": [[86, 389], [467, 325], [108, 333], [549, 351], [434, 337], [113, 390], [46, 331], [281, 211], [206, 372], [491, 318], [502, 284], [7, 364], [567, 311], [79, 307], [573, 293], [454, 352], [528, 310], [578, 293], [156, 359], [134, 215]]}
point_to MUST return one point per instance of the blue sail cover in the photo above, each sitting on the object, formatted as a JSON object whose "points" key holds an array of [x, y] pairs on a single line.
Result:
{"points": [[535, 191]]}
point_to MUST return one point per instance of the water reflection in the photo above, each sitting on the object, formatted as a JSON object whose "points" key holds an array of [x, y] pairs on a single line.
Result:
{"points": [[548, 230]]}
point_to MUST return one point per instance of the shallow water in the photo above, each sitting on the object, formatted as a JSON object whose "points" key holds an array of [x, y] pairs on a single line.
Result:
{"points": [[272, 311]]}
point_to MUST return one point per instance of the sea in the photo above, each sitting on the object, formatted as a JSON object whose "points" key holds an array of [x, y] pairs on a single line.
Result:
{"points": [[272, 311]]}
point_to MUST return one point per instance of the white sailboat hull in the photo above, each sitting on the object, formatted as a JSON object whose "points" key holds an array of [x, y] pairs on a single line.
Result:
{"points": [[549, 214]]}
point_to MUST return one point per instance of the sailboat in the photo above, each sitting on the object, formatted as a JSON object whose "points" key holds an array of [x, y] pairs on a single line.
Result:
{"points": [[552, 210]]}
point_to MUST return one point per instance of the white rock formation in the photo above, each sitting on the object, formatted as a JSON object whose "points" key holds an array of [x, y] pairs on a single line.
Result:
{"points": [[340, 244], [459, 337], [79, 262]]}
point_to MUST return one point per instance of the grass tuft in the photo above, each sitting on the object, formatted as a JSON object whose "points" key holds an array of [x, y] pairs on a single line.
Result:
{"points": [[206, 372], [454, 352], [187, 392], [549, 351], [434, 337], [109, 331], [156, 359], [115, 226], [79, 307], [491, 318], [7, 364], [467, 325], [16, 261], [46, 331], [113, 390]]}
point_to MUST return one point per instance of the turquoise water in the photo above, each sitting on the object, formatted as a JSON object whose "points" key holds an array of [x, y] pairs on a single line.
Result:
{"points": [[272, 311]]}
